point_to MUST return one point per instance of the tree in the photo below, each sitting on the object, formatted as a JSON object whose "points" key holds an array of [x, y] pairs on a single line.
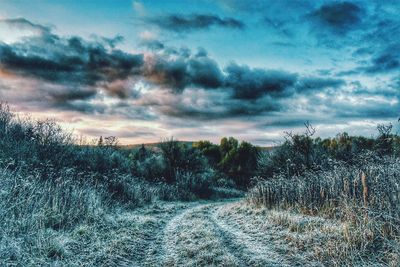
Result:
{"points": [[171, 152], [384, 142], [240, 161], [210, 151], [181, 158], [142, 153], [228, 144], [111, 141], [100, 142]]}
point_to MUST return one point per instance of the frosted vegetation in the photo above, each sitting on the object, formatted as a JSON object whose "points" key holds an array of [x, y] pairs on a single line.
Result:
{"points": [[309, 202], [352, 180]]}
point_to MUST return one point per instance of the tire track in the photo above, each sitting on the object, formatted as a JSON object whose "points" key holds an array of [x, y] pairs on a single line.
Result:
{"points": [[248, 248], [191, 235], [154, 252], [197, 236]]}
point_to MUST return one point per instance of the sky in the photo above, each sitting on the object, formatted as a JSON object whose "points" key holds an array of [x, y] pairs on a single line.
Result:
{"points": [[193, 70]]}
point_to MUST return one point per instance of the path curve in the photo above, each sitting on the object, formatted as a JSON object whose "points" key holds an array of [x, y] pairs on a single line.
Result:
{"points": [[199, 236]]}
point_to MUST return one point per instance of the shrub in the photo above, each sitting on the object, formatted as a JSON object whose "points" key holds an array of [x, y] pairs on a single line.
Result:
{"points": [[191, 185], [181, 158], [151, 167]]}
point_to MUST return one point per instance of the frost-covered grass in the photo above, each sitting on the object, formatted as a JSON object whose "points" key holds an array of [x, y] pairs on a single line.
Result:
{"points": [[192, 241], [303, 240], [86, 205], [66, 223], [44, 221], [364, 202]]}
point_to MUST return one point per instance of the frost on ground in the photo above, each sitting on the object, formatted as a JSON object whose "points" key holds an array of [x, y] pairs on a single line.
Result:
{"points": [[237, 234], [226, 233], [198, 237]]}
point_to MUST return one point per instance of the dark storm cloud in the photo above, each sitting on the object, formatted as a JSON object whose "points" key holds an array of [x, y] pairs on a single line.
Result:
{"points": [[177, 82], [81, 107], [121, 109], [72, 94], [186, 23], [384, 62], [313, 84], [249, 83], [381, 62], [184, 70], [212, 106], [339, 17], [72, 62]]}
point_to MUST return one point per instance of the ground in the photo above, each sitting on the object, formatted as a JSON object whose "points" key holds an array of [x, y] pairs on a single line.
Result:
{"points": [[223, 233]]}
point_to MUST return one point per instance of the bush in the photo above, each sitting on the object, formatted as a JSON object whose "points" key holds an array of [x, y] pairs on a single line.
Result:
{"points": [[152, 167], [300, 153], [191, 185], [179, 158]]}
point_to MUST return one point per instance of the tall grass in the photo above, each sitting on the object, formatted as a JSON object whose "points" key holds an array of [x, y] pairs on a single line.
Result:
{"points": [[366, 195], [49, 185], [30, 207]]}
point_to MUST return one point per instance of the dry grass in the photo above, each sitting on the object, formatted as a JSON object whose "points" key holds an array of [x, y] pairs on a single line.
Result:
{"points": [[68, 221], [304, 240], [366, 200]]}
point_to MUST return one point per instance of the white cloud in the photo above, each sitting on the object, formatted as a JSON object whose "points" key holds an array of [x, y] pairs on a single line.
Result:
{"points": [[139, 8]]}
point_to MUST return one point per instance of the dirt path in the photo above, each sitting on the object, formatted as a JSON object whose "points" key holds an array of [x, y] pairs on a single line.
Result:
{"points": [[200, 235]]}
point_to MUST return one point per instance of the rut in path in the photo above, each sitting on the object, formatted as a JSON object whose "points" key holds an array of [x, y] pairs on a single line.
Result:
{"points": [[153, 250], [197, 236], [250, 249]]}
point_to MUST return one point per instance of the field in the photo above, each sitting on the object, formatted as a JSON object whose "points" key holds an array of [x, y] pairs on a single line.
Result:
{"points": [[222, 233], [308, 202]]}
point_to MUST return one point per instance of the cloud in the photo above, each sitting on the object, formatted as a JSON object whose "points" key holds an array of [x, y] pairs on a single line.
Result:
{"points": [[165, 85], [72, 62], [71, 94], [307, 84], [139, 8], [385, 61], [338, 17], [249, 83], [187, 23], [279, 26], [205, 105], [267, 7], [149, 39], [182, 70], [88, 76], [24, 24]]}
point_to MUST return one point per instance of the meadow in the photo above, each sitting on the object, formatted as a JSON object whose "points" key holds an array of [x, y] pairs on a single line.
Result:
{"points": [[308, 201]]}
